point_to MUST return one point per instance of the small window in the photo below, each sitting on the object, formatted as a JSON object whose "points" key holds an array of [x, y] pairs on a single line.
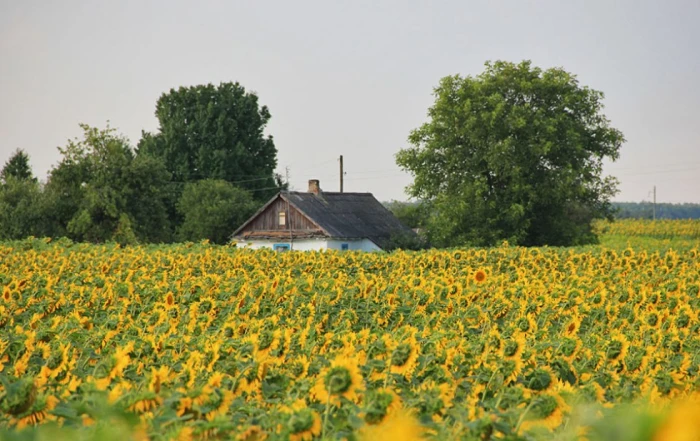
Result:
{"points": [[344, 247], [283, 219], [281, 247]]}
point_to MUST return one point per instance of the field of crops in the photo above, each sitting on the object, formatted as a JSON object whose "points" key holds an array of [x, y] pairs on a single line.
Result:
{"points": [[203, 342], [660, 229]]}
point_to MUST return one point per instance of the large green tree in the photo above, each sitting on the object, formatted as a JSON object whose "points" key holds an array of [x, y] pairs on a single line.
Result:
{"points": [[21, 212], [102, 191], [514, 154], [214, 132], [213, 209], [21, 201]]}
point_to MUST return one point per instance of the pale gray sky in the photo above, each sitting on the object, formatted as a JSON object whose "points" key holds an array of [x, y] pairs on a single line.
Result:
{"points": [[351, 78]]}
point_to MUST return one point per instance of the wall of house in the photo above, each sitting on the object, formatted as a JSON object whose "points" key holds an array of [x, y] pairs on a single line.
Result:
{"points": [[353, 245], [298, 245], [312, 244]]}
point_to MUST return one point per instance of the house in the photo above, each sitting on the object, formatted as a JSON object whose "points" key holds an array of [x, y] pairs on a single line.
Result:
{"points": [[318, 220]]}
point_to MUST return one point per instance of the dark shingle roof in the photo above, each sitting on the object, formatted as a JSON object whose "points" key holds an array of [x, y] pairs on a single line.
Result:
{"points": [[348, 215]]}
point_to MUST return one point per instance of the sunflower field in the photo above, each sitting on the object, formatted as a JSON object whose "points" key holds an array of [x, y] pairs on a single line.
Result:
{"points": [[196, 341]]}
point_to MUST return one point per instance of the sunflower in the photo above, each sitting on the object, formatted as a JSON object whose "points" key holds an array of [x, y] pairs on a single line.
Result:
{"points": [[404, 358], [540, 379], [513, 348], [545, 411], [39, 411], [304, 423], [218, 405], [512, 368], [342, 379], [569, 348], [400, 425], [253, 433], [480, 276], [681, 423], [572, 327], [378, 404], [617, 347], [145, 402]]}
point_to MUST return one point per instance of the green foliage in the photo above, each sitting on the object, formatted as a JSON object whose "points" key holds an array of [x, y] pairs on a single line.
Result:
{"points": [[18, 394], [515, 153], [214, 132], [21, 212], [212, 209], [411, 214], [405, 241], [104, 190], [100, 189], [124, 234], [17, 167]]}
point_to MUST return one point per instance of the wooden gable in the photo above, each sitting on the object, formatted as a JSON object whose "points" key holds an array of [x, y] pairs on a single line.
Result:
{"points": [[267, 222]]}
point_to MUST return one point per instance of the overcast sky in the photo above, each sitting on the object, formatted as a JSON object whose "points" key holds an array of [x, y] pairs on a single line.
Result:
{"points": [[351, 78]]}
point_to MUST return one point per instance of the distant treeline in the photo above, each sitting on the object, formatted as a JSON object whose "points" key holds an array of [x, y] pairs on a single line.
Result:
{"points": [[645, 210], [205, 171], [415, 214]]}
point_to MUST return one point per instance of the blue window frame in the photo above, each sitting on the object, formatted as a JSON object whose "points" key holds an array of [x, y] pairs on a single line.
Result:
{"points": [[280, 247], [344, 246]]}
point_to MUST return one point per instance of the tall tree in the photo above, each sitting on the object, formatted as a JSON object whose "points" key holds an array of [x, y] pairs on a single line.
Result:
{"points": [[20, 208], [514, 153], [214, 132], [101, 191], [17, 167], [213, 209]]}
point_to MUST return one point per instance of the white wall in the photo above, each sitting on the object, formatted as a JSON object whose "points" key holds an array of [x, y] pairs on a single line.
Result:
{"points": [[354, 245], [312, 244], [297, 245]]}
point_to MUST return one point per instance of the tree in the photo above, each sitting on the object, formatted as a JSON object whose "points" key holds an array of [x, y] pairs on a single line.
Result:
{"points": [[209, 132], [20, 208], [412, 214], [21, 201], [101, 191], [17, 167], [213, 209], [514, 153]]}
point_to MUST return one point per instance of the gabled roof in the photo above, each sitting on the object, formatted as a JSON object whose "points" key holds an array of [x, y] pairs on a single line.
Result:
{"points": [[344, 215]]}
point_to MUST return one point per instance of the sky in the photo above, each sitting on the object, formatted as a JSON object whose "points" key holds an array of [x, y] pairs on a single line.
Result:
{"points": [[350, 78]]}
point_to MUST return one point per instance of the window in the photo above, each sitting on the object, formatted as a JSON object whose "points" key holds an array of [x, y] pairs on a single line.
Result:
{"points": [[281, 247], [344, 246], [283, 219]]}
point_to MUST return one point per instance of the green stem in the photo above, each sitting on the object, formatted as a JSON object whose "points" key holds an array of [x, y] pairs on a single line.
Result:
{"points": [[325, 414], [522, 417]]}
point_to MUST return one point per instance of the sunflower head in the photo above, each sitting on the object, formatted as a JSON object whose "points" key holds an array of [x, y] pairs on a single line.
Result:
{"points": [[544, 411], [338, 380], [378, 404], [253, 433], [341, 379], [539, 379], [304, 421], [19, 396]]}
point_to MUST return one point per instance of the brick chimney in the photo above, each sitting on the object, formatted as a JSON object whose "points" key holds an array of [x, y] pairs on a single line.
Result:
{"points": [[314, 186]]}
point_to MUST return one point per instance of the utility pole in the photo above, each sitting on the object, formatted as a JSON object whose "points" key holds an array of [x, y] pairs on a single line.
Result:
{"points": [[654, 213], [341, 173]]}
